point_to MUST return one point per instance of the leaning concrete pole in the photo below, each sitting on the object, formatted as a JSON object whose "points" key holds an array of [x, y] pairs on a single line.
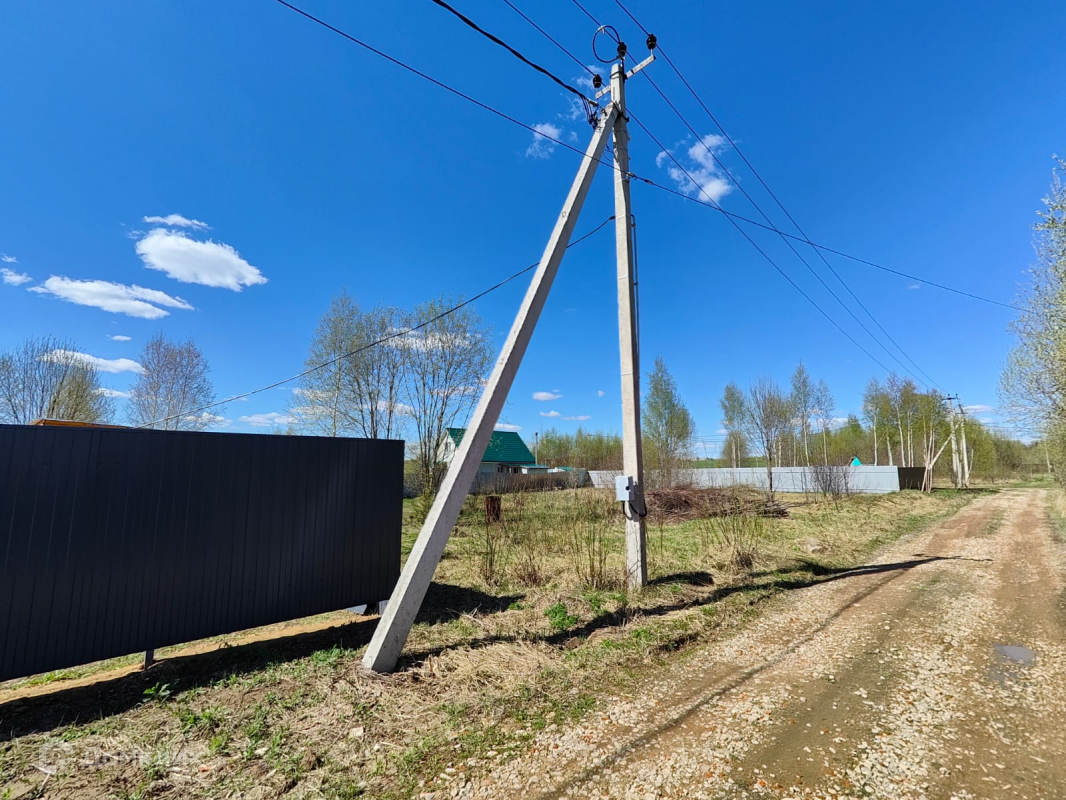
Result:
{"points": [[395, 624], [632, 452]]}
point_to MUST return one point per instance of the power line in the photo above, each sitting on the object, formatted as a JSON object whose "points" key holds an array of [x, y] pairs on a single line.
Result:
{"points": [[548, 36], [803, 236], [390, 337], [588, 103], [595, 21], [792, 247], [765, 255], [648, 181]]}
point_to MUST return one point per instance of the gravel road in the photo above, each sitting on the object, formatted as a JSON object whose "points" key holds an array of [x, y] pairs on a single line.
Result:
{"points": [[936, 671]]}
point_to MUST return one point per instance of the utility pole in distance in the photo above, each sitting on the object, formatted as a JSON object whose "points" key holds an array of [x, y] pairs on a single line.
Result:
{"points": [[632, 448], [965, 454]]}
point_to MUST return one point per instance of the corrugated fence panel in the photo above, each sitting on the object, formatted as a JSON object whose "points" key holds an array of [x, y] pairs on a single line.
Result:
{"points": [[854, 480], [115, 541]]}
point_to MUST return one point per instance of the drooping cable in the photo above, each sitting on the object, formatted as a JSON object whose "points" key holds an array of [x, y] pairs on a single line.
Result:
{"points": [[766, 255], [648, 181], [803, 261], [383, 340], [587, 103], [798, 255]]}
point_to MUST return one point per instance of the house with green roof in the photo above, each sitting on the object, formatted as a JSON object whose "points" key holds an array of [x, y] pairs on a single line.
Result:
{"points": [[506, 453]]}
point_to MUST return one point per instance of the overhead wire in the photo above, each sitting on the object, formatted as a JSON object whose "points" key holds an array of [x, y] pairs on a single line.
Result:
{"points": [[828, 288], [648, 181], [588, 103], [792, 247], [774, 264], [803, 237], [383, 340], [548, 36]]}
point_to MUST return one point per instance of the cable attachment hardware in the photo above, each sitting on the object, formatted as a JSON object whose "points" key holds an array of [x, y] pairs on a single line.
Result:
{"points": [[612, 34]]}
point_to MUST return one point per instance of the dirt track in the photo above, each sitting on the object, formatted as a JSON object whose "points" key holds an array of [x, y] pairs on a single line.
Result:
{"points": [[938, 671]]}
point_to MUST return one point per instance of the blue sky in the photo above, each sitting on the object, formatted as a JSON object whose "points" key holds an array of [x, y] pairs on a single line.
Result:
{"points": [[917, 135]]}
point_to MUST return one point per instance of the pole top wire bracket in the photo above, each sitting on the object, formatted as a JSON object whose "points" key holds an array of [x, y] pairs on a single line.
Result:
{"points": [[620, 56]]}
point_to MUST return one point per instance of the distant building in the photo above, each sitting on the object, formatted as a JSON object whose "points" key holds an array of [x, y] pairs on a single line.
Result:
{"points": [[506, 453]]}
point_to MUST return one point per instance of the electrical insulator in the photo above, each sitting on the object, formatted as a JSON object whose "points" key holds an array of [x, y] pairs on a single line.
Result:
{"points": [[597, 81], [621, 50], [652, 42]]}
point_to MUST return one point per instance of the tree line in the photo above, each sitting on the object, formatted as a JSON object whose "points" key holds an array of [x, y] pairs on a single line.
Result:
{"points": [[394, 373], [1033, 383], [49, 378]]}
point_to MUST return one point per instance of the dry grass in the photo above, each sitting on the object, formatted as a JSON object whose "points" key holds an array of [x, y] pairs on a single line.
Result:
{"points": [[527, 625]]}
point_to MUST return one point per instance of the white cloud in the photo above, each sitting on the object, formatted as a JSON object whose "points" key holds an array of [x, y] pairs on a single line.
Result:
{"points": [[705, 179], [12, 278], [550, 414], [190, 260], [212, 420], [117, 298], [986, 420], [721, 431], [543, 146], [268, 419], [914, 286], [113, 365], [118, 337], [176, 221], [8, 259], [546, 396], [112, 392], [507, 426], [578, 418], [979, 408], [600, 393]]}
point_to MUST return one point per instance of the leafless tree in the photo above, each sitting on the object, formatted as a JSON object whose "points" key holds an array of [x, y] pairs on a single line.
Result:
{"points": [[172, 388], [767, 419], [802, 398], [48, 378], [822, 405], [357, 386], [445, 363]]}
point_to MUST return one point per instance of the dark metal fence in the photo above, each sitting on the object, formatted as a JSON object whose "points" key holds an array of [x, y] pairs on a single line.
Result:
{"points": [[119, 541], [911, 477]]}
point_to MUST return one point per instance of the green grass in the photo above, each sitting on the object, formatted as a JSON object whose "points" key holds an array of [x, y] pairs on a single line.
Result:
{"points": [[501, 661]]}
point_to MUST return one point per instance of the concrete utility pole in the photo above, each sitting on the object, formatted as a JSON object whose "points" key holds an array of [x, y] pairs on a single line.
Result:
{"points": [[956, 474], [965, 454], [395, 624], [399, 615], [632, 450]]}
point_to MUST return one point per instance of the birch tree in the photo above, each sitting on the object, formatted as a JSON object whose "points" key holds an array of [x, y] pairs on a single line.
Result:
{"points": [[172, 388], [733, 416], [357, 384], [823, 406], [767, 418], [1033, 384], [48, 378], [667, 425], [445, 364], [802, 398]]}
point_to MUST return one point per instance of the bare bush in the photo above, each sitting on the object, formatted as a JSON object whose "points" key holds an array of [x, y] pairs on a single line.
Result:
{"points": [[737, 538], [832, 480]]}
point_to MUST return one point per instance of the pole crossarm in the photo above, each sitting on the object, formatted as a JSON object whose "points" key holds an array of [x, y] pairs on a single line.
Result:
{"points": [[392, 631]]}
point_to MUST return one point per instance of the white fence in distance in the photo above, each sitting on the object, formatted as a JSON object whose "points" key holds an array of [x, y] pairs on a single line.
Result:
{"points": [[852, 480]]}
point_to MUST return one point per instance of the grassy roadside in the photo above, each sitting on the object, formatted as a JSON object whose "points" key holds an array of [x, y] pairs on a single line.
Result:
{"points": [[526, 627]]}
